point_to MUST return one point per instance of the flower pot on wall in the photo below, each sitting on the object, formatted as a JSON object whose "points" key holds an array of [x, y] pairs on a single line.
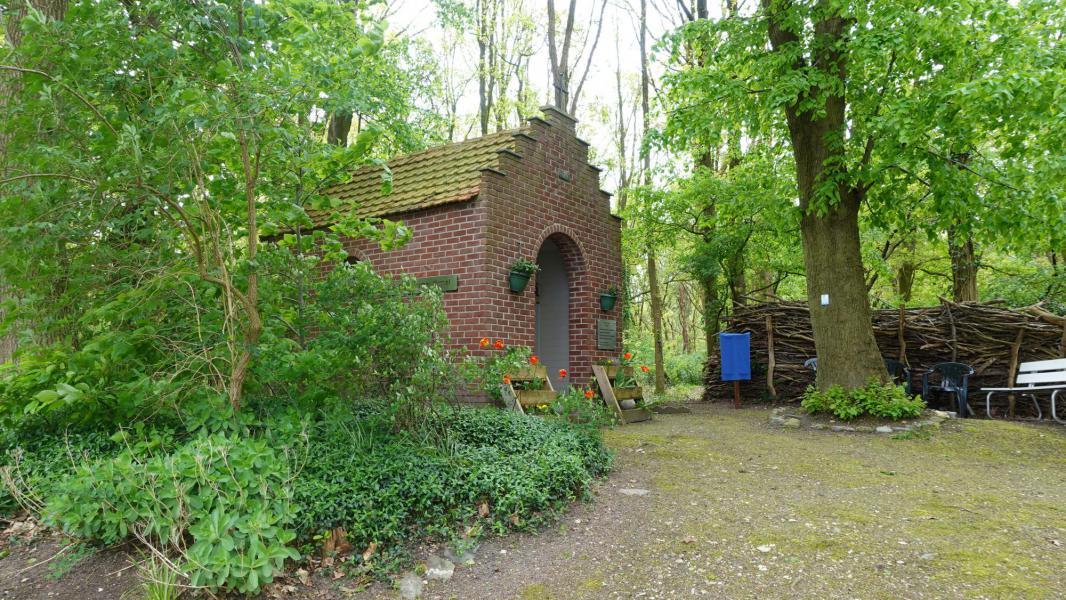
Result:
{"points": [[607, 301], [518, 281]]}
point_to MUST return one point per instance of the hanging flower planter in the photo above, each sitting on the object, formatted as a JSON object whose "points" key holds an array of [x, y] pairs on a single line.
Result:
{"points": [[607, 300], [518, 281], [520, 273]]}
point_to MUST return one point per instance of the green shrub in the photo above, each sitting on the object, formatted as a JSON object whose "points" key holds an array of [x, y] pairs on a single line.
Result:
{"points": [[228, 494], [364, 336], [875, 399], [382, 486], [685, 368], [34, 458]]}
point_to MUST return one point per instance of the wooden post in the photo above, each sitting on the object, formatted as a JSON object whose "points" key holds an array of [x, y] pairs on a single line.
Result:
{"points": [[954, 334], [1012, 370], [902, 336], [771, 362], [736, 393]]}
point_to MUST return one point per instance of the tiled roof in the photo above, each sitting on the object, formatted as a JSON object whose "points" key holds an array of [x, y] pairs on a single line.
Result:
{"points": [[448, 173]]}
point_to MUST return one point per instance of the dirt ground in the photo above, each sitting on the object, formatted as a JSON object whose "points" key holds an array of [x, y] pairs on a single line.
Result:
{"points": [[717, 504]]}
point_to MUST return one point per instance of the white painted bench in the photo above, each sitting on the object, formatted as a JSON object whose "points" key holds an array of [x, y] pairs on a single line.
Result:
{"points": [[1033, 377]]}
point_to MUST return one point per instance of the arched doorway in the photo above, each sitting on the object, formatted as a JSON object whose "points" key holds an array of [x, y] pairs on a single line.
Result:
{"points": [[553, 292]]}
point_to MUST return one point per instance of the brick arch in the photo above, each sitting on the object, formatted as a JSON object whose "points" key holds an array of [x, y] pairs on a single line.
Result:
{"points": [[581, 310], [569, 245]]}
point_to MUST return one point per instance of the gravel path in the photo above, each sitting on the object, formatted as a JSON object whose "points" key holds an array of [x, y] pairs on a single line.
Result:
{"points": [[736, 509]]}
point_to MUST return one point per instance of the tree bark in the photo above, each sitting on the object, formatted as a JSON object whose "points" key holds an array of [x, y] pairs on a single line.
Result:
{"points": [[486, 64], [683, 308], [656, 320], [963, 266], [738, 289], [653, 269], [559, 57], [711, 310], [340, 124], [905, 274], [843, 333]]}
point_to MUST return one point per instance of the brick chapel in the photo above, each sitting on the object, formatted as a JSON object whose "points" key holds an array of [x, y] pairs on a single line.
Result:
{"points": [[477, 206]]}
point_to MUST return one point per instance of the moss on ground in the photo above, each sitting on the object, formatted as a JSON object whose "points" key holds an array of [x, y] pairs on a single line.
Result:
{"points": [[976, 510]]}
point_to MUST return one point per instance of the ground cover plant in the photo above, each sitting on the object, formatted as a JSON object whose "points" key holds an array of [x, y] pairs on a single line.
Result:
{"points": [[344, 427], [876, 399], [232, 502]]}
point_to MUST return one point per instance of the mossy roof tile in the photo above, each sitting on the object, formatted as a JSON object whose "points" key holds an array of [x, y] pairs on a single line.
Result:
{"points": [[440, 175]]}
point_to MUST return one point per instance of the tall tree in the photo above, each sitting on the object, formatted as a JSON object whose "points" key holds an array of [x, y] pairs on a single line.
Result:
{"points": [[163, 186], [654, 292], [862, 93], [562, 69]]}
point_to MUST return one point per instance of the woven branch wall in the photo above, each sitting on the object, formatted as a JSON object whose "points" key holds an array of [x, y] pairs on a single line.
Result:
{"points": [[987, 336]]}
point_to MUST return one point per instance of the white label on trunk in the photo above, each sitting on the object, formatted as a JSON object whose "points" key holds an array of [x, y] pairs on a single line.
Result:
{"points": [[825, 299]]}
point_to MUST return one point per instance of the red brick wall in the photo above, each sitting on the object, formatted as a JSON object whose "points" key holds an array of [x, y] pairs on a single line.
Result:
{"points": [[527, 201], [531, 203], [446, 240]]}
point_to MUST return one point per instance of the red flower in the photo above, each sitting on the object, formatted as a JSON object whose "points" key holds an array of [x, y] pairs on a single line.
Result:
{"points": [[484, 342], [507, 379], [589, 394], [644, 368], [498, 345], [627, 355], [562, 373], [533, 360]]}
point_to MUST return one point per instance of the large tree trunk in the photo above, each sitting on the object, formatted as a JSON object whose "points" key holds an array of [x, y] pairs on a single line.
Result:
{"points": [[683, 307], [836, 284], [653, 269], [843, 335], [9, 85], [340, 124], [711, 311], [905, 274], [738, 289], [963, 266], [656, 320]]}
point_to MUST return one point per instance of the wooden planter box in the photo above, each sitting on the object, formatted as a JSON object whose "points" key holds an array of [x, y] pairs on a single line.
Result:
{"points": [[635, 393], [535, 397], [611, 395]]}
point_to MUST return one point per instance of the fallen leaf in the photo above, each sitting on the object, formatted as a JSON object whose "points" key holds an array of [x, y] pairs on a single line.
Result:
{"points": [[370, 551]]}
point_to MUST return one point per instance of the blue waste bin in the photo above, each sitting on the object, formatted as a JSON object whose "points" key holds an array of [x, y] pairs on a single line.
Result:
{"points": [[736, 356]]}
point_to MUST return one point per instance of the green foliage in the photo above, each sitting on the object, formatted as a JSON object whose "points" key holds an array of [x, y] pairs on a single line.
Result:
{"points": [[228, 494], [36, 456], [525, 266], [380, 485], [487, 371], [685, 369], [582, 406], [875, 399], [373, 336], [158, 581]]}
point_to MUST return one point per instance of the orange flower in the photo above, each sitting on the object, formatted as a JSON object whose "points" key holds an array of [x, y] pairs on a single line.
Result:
{"points": [[644, 368], [562, 373], [507, 379], [484, 342], [627, 355], [589, 394], [498, 345], [533, 360]]}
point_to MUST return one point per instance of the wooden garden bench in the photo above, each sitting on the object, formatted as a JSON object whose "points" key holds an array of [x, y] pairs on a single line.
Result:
{"points": [[605, 377], [1033, 377], [517, 397]]}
